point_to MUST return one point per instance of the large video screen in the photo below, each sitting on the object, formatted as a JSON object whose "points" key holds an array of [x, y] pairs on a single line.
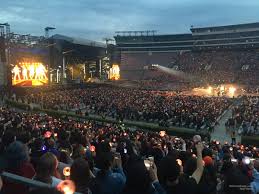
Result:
{"points": [[29, 74]]}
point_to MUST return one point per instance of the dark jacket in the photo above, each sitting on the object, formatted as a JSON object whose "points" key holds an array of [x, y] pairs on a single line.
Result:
{"points": [[112, 182], [155, 188]]}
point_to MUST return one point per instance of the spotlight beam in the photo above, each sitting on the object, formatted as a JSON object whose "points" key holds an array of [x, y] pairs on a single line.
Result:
{"points": [[176, 73]]}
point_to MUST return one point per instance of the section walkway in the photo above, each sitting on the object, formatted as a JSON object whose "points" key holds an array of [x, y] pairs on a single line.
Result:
{"points": [[219, 133]]}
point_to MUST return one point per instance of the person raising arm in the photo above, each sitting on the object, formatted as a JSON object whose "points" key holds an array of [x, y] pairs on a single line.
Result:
{"points": [[199, 170]]}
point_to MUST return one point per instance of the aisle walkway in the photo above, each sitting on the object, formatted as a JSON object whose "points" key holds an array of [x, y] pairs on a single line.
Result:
{"points": [[220, 132]]}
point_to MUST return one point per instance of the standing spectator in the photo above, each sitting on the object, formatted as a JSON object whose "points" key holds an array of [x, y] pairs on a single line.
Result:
{"points": [[81, 175], [234, 179], [171, 171], [142, 180], [111, 178], [255, 184]]}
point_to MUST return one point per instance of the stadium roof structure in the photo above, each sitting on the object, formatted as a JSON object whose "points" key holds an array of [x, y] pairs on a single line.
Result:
{"points": [[75, 50], [239, 36], [152, 39], [236, 28], [78, 41]]}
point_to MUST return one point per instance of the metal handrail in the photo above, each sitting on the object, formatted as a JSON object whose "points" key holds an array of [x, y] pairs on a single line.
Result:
{"points": [[25, 181]]}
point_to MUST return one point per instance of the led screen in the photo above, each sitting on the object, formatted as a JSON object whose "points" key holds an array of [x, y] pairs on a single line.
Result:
{"points": [[29, 74]]}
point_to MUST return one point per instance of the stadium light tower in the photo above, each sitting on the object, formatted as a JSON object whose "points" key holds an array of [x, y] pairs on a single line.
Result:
{"points": [[64, 63], [47, 29], [7, 29], [107, 55], [107, 40], [5, 32]]}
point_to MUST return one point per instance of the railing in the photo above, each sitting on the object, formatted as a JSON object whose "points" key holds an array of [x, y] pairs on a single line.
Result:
{"points": [[24, 181]]}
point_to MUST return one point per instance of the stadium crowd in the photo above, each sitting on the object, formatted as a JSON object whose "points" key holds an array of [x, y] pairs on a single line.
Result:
{"points": [[214, 67], [222, 66], [166, 108], [245, 116], [107, 159]]}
